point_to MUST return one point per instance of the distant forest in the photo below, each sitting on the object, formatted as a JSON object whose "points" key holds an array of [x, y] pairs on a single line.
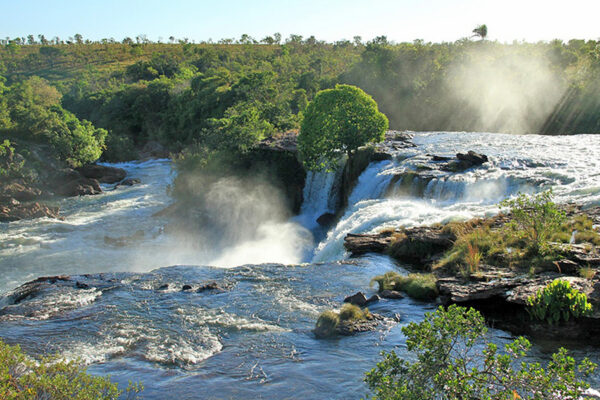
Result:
{"points": [[230, 94]]}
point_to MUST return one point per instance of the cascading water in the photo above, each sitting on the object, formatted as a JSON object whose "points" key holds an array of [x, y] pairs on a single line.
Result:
{"points": [[252, 337], [411, 190]]}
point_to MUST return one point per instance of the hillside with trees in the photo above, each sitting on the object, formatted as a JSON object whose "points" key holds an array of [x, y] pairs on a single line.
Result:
{"points": [[231, 94]]}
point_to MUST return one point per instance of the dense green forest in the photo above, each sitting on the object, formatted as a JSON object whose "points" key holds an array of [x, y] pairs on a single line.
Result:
{"points": [[214, 97]]}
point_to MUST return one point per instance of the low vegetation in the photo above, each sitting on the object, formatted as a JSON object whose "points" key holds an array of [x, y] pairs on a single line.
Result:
{"points": [[22, 378], [417, 286], [534, 238], [557, 302], [329, 320], [452, 360]]}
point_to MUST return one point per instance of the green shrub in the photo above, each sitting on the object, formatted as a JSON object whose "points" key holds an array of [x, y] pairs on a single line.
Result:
{"points": [[22, 378], [448, 365], [327, 323], [557, 302], [537, 217], [417, 286], [351, 312]]}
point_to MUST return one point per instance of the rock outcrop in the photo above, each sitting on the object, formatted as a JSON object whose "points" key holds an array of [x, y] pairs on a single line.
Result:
{"points": [[358, 244], [465, 161], [15, 211], [102, 173]]}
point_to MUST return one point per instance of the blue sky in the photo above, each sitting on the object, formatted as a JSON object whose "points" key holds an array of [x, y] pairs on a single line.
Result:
{"points": [[399, 20]]}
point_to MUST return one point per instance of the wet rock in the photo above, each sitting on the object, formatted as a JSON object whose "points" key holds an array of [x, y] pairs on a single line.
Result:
{"points": [[327, 219], [163, 287], [440, 158], [347, 328], [358, 244], [79, 187], [186, 287], [102, 173], [129, 182], [9, 213], [391, 294], [209, 286], [373, 299], [358, 299], [465, 161], [80, 285], [381, 156]]}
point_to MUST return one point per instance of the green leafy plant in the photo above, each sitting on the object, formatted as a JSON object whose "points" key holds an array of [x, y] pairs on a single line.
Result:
{"points": [[338, 121], [22, 378], [536, 217], [447, 363], [557, 302]]}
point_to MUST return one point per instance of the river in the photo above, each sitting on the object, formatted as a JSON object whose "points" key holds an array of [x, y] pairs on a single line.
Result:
{"points": [[254, 338]]}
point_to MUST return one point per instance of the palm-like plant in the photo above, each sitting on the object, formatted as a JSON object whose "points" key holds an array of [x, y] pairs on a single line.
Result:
{"points": [[480, 31]]}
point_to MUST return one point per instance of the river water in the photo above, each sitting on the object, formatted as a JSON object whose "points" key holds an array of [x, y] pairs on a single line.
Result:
{"points": [[254, 338]]}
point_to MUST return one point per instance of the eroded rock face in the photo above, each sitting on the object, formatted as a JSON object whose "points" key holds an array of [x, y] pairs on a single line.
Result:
{"points": [[415, 246], [504, 300], [20, 191], [79, 187], [358, 244], [16, 211]]}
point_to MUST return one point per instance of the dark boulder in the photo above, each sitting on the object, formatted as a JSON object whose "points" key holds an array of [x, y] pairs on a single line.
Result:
{"points": [[373, 299], [79, 187], [358, 299], [327, 219], [391, 294], [103, 173], [465, 161], [358, 244], [186, 287]]}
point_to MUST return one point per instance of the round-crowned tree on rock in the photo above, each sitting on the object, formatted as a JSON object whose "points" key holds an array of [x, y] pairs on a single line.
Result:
{"points": [[338, 121]]}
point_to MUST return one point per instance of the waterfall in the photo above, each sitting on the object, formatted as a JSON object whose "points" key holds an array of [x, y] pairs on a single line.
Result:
{"points": [[321, 195], [413, 190]]}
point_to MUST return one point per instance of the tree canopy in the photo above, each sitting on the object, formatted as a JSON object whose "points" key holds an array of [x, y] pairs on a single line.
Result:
{"points": [[339, 120]]}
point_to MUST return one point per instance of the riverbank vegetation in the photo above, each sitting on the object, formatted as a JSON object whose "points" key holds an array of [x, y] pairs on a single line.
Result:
{"points": [[225, 96], [22, 378], [417, 286], [451, 359], [537, 235]]}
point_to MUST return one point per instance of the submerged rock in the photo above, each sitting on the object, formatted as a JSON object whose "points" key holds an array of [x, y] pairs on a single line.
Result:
{"points": [[123, 241]]}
